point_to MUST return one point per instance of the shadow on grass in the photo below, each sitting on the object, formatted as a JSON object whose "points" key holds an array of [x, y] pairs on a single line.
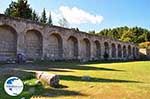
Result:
{"points": [[39, 90], [101, 80], [61, 66], [45, 62], [80, 67], [66, 67], [115, 61], [75, 65]]}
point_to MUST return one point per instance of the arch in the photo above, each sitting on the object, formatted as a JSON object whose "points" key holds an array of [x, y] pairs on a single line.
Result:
{"points": [[124, 51], [129, 50], [33, 40], [119, 51], [106, 50], [137, 51], [8, 42], [134, 52], [55, 46], [97, 49], [113, 51], [86, 48], [73, 47]]}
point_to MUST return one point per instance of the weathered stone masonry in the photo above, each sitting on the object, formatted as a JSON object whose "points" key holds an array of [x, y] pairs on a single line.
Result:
{"points": [[38, 41]]}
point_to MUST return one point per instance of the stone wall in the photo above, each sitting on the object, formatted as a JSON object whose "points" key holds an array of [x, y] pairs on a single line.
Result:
{"points": [[38, 41]]}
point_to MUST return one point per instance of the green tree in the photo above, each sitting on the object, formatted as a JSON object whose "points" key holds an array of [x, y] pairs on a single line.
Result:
{"points": [[50, 22], [104, 32], [77, 29], [19, 8], [115, 34], [35, 17], [126, 34], [145, 45], [43, 17], [92, 32]]}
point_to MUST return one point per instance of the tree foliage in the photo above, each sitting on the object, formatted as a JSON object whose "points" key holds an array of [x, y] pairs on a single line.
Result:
{"points": [[35, 16], [50, 22], [145, 45], [126, 34], [21, 8], [92, 32], [43, 17]]}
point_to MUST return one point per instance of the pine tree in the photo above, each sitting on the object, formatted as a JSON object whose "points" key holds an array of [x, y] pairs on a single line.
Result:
{"points": [[50, 22], [43, 17], [35, 17]]}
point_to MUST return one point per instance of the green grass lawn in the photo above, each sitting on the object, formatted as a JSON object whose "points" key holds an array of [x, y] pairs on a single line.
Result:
{"points": [[127, 80]]}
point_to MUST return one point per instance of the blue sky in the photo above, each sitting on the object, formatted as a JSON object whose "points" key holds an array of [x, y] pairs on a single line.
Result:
{"points": [[94, 14]]}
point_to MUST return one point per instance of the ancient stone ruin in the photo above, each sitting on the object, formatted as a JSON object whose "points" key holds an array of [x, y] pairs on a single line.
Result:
{"points": [[38, 41]]}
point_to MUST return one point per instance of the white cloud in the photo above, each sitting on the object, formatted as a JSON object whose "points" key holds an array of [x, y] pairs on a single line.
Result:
{"points": [[78, 16], [56, 16]]}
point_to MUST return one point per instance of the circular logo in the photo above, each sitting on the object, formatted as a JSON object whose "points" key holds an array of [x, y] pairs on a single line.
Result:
{"points": [[13, 86]]}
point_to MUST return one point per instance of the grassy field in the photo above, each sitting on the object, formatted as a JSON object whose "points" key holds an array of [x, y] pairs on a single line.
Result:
{"points": [[127, 80]]}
